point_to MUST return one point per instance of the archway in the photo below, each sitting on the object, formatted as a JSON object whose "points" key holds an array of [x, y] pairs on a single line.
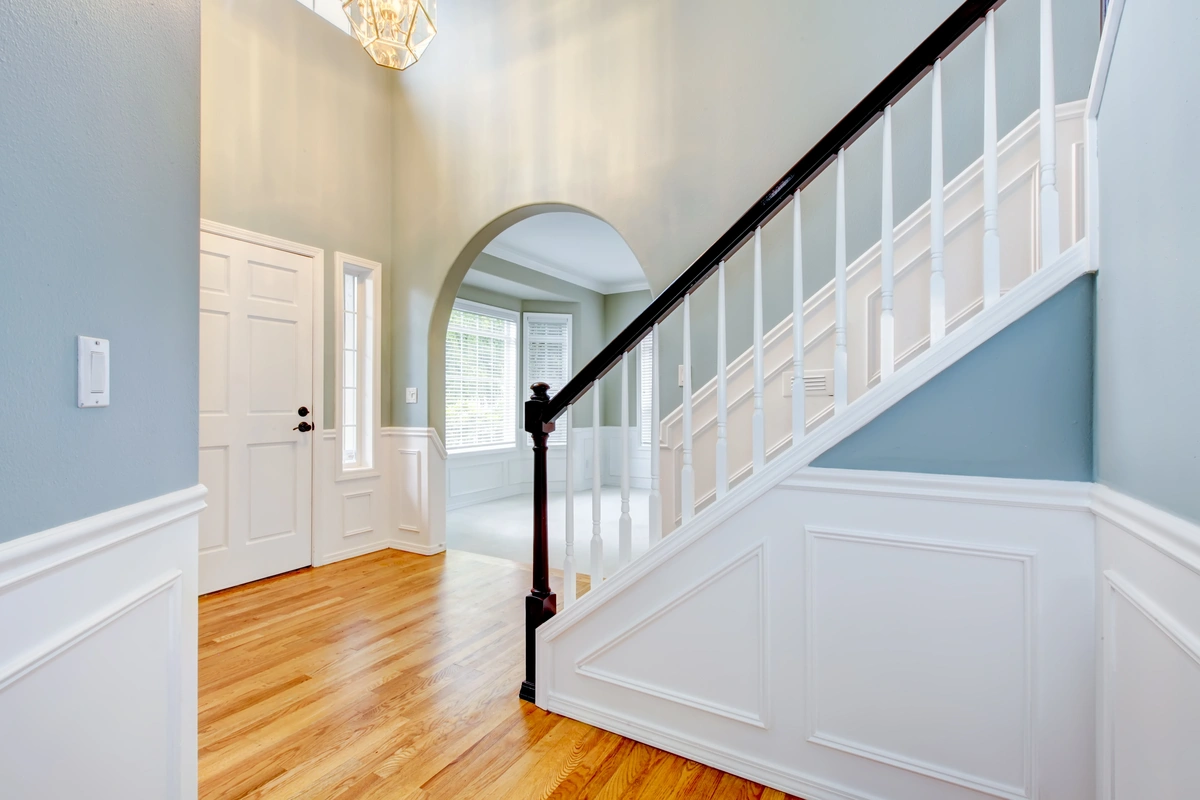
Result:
{"points": [[532, 270]]}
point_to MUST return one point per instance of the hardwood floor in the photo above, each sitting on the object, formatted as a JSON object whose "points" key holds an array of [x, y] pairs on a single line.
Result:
{"points": [[395, 676]]}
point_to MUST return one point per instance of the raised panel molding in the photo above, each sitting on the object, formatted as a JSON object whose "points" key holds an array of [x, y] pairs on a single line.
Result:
{"points": [[881, 754], [758, 613], [357, 513], [1118, 588]]}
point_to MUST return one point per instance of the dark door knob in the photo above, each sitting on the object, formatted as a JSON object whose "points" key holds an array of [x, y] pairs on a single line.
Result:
{"points": [[302, 411], [303, 427]]}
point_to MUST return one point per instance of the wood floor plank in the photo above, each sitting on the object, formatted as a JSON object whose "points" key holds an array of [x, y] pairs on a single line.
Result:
{"points": [[394, 676]]}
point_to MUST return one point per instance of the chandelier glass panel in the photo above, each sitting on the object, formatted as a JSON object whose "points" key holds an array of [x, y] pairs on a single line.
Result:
{"points": [[394, 32]]}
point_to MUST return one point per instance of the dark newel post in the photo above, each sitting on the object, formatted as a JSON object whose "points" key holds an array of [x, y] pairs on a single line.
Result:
{"points": [[540, 605]]}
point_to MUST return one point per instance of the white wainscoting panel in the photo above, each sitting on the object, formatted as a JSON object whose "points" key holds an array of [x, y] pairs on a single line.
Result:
{"points": [[98, 656], [417, 480], [921, 637], [1149, 599], [352, 514]]}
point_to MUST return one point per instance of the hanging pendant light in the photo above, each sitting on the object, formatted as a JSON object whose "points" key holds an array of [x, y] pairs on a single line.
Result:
{"points": [[393, 32]]}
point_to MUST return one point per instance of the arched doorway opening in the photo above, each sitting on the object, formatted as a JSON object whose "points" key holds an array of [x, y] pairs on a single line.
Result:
{"points": [[534, 296]]}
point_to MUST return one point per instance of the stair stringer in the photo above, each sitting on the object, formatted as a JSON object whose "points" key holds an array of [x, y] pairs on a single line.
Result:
{"points": [[690, 550]]}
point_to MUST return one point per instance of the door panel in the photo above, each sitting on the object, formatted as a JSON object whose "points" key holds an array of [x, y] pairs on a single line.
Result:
{"points": [[256, 333]]}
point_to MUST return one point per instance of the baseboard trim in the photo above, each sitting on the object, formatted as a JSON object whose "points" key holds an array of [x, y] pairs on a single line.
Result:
{"points": [[30, 556], [785, 781], [419, 549], [1174, 537]]}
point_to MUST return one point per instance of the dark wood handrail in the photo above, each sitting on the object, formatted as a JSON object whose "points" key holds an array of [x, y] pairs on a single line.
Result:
{"points": [[957, 27]]}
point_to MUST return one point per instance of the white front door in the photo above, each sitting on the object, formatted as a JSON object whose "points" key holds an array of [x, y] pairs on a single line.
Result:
{"points": [[256, 372]]}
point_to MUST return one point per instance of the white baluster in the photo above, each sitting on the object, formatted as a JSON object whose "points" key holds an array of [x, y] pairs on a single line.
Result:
{"points": [[687, 475], [798, 418], [655, 449], [937, 219], [758, 426], [625, 542], [991, 170], [887, 260], [722, 389], [1046, 125], [841, 360], [597, 540], [569, 561]]}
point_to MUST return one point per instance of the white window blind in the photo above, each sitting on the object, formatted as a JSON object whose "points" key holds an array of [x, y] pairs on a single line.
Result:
{"points": [[548, 355], [646, 387], [358, 367], [481, 377]]}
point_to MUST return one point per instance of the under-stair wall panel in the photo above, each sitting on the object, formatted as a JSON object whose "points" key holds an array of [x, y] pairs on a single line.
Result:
{"points": [[858, 635]]}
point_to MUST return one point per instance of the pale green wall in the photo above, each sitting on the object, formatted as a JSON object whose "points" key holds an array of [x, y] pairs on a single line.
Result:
{"points": [[620, 310], [295, 135], [99, 200], [1148, 330]]}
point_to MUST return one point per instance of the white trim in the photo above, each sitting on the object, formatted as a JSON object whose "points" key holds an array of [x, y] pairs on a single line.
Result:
{"points": [[759, 717], [940, 772], [425, 433], [30, 556], [1173, 536], [1014, 305], [1115, 585], [792, 782], [523, 259], [1026, 493], [1108, 44], [27, 663], [419, 549], [373, 272], [317, 399]]}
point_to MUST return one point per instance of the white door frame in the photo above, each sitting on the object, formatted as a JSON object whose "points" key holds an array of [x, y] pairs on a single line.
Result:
{"points": [[317, 406]]}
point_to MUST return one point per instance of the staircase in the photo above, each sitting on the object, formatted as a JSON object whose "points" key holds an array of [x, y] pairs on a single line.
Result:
{"points": [[839, 633]]}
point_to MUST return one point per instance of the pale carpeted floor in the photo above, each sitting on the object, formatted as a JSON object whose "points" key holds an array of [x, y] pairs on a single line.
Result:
{"points": [[504, 528]]}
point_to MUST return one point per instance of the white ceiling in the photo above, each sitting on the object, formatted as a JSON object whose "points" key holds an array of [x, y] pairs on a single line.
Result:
{"points": [[574, 247]]}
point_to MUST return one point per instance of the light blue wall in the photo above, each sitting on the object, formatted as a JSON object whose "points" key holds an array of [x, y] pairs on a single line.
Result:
{"points": [[99, 215], [1148, 329], [1020, 406]]}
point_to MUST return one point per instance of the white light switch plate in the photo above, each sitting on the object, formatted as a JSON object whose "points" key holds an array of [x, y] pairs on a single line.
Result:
{"points": [[93, 372], [410, 395], [681, 375]]}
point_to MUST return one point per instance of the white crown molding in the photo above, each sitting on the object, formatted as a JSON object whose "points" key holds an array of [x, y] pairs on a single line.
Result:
{"points": [[29, 556], [1173, 536], [1028, 295], [1047, 494], [523, 259]]}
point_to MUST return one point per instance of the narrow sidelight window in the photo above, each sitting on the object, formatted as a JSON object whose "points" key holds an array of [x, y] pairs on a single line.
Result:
{"points": [[358, 362]]}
